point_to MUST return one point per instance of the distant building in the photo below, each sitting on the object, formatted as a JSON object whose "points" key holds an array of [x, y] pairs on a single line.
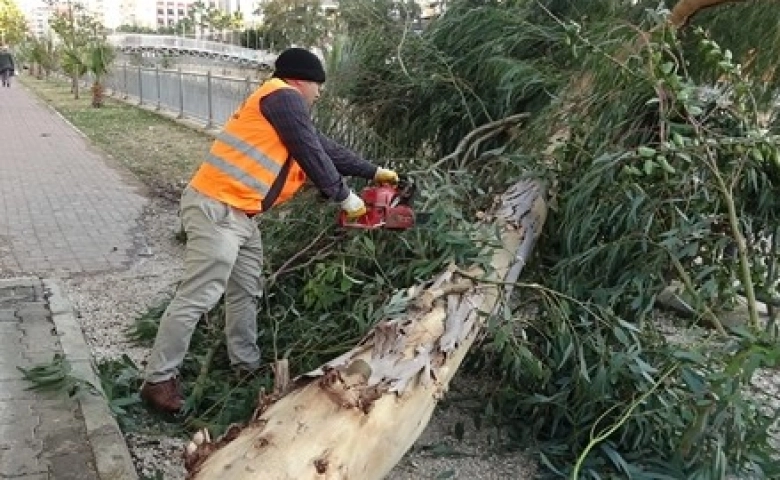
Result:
{"points": [[37, 13], [154, 14], [169, 13]]}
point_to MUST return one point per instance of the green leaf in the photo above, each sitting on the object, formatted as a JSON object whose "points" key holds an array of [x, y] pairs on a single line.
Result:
{"points": [[694, 110], [646, 152], [690, 356], [649, 166]]}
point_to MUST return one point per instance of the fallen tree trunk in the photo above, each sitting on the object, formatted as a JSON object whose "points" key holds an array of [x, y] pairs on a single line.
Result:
{"points": [[356, 416]]}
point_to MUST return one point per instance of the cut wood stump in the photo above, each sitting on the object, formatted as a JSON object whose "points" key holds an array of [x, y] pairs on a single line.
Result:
{"points": [[356, 416]]}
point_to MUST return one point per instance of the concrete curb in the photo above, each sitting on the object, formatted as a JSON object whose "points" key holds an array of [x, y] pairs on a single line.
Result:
{"points": [[112, 457]]}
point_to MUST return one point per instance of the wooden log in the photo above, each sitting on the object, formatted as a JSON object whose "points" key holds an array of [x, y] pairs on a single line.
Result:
{"points": [[356, 416]]}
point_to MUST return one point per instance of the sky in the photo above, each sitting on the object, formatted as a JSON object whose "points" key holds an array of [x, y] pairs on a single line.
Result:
{"points": [[26, 5]]}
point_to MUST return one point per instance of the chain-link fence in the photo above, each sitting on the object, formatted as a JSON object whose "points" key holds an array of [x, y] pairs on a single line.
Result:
{"points": [[202, 97]]}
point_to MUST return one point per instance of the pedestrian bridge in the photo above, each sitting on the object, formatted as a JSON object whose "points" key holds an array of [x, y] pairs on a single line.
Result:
{"points": [[180, 46]]}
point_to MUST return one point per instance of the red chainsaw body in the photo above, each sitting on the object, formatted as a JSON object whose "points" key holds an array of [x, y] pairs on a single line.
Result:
{"points": [[387, 207]]}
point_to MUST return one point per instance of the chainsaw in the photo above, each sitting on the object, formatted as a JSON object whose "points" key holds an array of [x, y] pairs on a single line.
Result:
{"points": [[387, 206]]}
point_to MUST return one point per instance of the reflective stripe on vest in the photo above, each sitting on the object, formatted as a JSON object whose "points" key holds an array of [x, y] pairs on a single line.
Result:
{"points": [[250, 151], [238, 175], [248, 166]]}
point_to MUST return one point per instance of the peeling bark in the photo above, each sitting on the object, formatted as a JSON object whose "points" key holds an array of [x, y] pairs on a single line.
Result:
{"points": [[356, 416]]}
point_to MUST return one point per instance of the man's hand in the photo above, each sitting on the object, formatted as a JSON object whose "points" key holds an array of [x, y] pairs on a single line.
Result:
{"points": [[353, 206], [384, 175]]}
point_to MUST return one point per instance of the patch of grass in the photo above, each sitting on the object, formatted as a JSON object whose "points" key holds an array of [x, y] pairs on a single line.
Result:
{"points": [[159, 151]]}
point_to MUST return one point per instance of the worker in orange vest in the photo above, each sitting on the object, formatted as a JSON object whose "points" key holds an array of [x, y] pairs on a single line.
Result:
{"points": [[261, 158]]}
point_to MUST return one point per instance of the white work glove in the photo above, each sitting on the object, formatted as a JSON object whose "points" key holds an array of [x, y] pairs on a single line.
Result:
{"points": [[384, 175], [353, 206]]}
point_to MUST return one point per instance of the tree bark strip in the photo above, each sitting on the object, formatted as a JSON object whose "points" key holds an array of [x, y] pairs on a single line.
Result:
{"points": [[355, 417]]}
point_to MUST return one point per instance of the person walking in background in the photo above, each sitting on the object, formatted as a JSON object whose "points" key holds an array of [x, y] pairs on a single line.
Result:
{"points": [[261, 158], [7, 67]]}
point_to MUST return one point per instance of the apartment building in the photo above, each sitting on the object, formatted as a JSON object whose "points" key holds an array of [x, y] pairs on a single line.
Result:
{"points": [[37, 13], [169, 12]]}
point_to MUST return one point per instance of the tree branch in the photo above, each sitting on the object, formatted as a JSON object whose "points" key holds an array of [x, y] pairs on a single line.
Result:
{"points": [[685, 9]]}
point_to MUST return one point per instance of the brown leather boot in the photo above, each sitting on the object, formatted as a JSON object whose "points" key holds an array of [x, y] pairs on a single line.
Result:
{"points": [[164, 396]]}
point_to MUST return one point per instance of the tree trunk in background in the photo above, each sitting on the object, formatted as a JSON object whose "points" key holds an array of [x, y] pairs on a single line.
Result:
{"points": [[74, 86], [355, 417]]}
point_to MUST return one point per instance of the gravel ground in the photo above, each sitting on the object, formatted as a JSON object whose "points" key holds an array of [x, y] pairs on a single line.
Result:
{"points": [[107, 303]]}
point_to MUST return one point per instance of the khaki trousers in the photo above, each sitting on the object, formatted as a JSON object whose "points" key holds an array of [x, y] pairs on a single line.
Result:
{"points": [[224, 254]]}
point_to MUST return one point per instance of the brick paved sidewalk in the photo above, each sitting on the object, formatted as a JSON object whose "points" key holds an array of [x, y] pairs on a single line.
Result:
{"points": [[44, 435], [64, 210]]}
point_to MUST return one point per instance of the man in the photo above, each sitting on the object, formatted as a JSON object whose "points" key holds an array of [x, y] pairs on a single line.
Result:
{"points": [[263, 156], [6, 66]]}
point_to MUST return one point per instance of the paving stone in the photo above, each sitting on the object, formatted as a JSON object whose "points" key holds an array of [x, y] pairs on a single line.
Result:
{"points": [[17, 294], [75, 465], [8, 298], [27, 281], [40, 336], [16, 390], [63, 440], [11, 342], [18, 433], [38, 358], [32, 310], [21, 461], [61, 421], [34, 329], [8, 368], [17, 413], [10, 328]]}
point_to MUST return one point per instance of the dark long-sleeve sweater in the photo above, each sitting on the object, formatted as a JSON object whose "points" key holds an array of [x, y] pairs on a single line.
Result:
{"points": [[6, 61], [323, 160]]}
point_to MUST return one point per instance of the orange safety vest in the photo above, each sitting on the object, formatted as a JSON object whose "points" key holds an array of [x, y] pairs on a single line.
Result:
{"points": [[249, 167]]}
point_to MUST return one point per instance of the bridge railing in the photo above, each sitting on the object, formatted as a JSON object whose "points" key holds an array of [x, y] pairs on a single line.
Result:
{"points": [[202, 97], [162, 42]]}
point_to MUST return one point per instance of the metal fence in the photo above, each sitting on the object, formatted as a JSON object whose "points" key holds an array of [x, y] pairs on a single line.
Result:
{"points": [[203, 97], [171, 42]]}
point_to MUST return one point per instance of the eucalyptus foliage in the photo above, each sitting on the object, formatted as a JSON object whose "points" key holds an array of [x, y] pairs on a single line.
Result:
{"points": [[666, 171], [666, 164]]}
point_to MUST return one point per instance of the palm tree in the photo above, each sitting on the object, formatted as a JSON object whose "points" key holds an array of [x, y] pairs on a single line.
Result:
{"points": [[98, 61], [95, 59], [42, 54], [73, 64]]}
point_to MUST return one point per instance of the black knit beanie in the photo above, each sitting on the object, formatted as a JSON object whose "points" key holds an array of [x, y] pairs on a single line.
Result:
{"points": [[299, 64]]}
